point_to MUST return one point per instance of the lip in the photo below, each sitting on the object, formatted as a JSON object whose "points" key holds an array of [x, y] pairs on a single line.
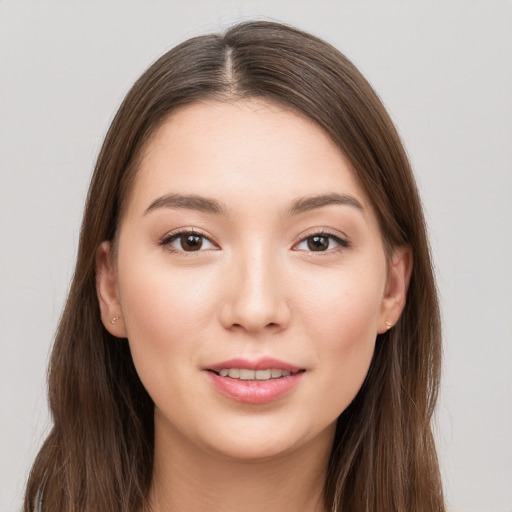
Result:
{"points": [[253, 391], [264, 363]]}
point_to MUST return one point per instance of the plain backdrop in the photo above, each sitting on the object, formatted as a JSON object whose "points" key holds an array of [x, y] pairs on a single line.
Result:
{"points": [[444, 72]]}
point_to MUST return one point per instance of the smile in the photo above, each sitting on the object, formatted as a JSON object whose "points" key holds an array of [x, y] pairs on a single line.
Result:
{"points": [[246, 374], [254, 382]]}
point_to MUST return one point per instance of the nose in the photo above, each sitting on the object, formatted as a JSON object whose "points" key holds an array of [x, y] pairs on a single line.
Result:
{"points": [[255, 296]]}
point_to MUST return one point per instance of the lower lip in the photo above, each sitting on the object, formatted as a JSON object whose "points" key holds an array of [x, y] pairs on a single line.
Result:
{"points": [[254, 391]]}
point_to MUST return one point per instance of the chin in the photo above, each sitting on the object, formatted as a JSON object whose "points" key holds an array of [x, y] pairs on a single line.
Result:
{"points": [[255, 442], [252, 450]]}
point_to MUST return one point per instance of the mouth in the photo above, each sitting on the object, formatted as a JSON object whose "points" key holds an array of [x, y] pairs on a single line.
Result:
{"points": [[254, 382], [246, 374]]}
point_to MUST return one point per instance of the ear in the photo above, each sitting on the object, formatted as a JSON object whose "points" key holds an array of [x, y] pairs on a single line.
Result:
{"points": [[399, 275], [106, 288]]}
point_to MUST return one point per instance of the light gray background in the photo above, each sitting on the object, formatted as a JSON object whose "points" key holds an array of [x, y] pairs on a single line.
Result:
{"points": [[444, 71]]}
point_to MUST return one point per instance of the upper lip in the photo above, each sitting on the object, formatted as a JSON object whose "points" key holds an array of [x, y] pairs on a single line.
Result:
{"points": [[264, 363]]}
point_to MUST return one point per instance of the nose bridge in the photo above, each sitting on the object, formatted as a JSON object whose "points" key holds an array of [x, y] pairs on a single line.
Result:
{"points": [[257, 297]]}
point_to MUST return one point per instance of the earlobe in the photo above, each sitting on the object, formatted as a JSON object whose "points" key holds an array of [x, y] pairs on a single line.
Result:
{"points": [[106, 289], [399, 275]]}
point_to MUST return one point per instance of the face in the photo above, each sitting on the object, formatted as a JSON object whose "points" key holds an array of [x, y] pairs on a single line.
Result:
{"points": [[250, 280]]}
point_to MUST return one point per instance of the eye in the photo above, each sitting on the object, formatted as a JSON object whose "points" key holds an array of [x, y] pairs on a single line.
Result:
{"points": [[321, 242], [187, 241]]}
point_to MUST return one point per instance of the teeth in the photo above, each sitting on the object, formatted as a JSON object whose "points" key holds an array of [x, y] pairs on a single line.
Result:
{"points": [[245, 374], [263, 374], [275, 373]]}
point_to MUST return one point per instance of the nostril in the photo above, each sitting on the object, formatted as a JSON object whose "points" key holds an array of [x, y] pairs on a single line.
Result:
{"points": [[254, 316], [250, 327]]}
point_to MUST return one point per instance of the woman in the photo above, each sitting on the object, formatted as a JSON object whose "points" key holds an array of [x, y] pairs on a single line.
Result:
{"points": [[253, 321]]}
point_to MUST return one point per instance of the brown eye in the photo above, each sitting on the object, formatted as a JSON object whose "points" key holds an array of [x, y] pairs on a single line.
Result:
{"points": [[190, 242], [318, 243], [187, 241], [322, 242]]}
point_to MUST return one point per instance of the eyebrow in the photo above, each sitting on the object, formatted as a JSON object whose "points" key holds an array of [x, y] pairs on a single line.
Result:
{"points": [[207, 205], [190, 202], [306, 204]]}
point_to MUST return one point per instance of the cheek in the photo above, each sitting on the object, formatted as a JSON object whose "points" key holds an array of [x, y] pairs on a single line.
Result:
{"points": [[344, 306], [164, 312], [342, 317]]}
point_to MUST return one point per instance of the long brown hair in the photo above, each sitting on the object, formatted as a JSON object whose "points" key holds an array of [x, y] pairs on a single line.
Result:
{"points": [[99, 454]]}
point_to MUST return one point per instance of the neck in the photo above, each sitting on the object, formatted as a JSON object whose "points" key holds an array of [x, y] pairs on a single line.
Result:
{"points": [[189, 479]]}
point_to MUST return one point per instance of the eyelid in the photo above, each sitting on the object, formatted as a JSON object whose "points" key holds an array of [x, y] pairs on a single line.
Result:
{"points": [[340, 238], [169, 237]]}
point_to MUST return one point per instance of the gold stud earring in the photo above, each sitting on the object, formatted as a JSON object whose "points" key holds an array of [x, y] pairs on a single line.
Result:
{"points": [[388, 325], [114, 320]]}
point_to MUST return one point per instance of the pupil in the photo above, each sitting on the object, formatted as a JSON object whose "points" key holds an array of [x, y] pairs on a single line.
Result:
{"points": [[318, 243], [191, 242]]}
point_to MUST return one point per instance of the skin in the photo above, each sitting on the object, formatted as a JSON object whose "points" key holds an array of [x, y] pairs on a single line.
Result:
{"points": [[254, 289]]}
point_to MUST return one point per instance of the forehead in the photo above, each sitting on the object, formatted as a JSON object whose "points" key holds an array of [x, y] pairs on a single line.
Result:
{"points": [[251, 150]]}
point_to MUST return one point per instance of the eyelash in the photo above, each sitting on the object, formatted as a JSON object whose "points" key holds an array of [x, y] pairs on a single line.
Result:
{"points": [[167, 240], [343, 243]]}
